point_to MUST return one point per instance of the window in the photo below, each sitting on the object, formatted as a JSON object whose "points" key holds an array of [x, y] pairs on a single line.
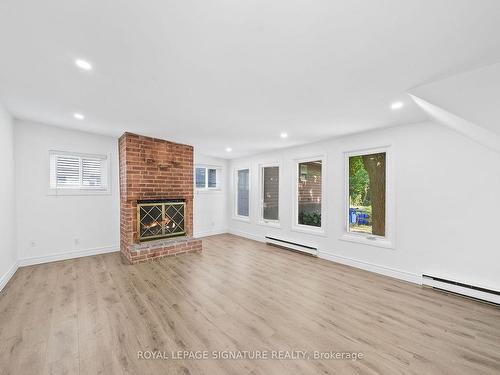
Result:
{"points": [[207, 178], [201, 176], [270, 177], [212, 178], [309, 193], [243, 192], [367, 194], [70, 171]]}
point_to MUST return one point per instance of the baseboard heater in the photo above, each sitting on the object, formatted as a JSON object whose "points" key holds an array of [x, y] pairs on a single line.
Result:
{"points": [[472, 291], [292, 245]]}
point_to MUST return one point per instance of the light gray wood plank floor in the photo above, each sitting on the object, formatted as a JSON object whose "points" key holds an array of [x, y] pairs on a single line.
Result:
{"points": [[92, 315]]}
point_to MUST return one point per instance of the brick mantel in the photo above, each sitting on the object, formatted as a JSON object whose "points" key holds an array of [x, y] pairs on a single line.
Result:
{"points": [[153, 168]]}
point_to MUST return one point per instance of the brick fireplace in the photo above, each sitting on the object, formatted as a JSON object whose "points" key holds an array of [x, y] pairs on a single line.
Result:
{"points": [[152, 172]]}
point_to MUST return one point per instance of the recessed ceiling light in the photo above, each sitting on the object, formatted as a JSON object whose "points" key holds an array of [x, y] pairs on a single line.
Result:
{"points": [[397, 105], [283, 135], [78, 116], [229, 149], [83, 64]]}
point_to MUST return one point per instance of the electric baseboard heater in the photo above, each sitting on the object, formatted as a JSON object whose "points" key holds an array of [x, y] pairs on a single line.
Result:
{"points": [[292, 245], [468, 290]]}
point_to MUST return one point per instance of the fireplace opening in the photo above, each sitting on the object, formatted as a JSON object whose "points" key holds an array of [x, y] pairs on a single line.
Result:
{"points": [[160, 219]]}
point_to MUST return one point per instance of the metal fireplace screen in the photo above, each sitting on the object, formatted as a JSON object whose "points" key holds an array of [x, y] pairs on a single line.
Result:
{"points": [[160, 219]]}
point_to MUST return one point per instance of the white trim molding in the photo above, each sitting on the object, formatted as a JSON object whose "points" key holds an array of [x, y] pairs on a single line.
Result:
{"points": [[269, 223], [235, 181], [53, 190], [247, 235], [207, 233], [65, 255], [261, 220], [218, 178], [388, 241], [371, 267], [296, 227], [8, 275], [367, 240]]}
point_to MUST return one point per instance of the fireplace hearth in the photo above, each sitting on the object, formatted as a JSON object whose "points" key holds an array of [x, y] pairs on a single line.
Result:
{"points": [[160, 219]]}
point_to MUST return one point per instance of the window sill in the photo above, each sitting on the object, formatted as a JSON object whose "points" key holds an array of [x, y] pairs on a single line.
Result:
{"points": [[267, 223], [368, 240], [245, 219], [318, 231], [208, 191], [77, 192]]}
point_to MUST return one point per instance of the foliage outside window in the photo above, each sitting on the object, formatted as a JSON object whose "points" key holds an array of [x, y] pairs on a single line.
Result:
{"points": [[367, 193], [270, 193], [243, 192], [309, 195]]}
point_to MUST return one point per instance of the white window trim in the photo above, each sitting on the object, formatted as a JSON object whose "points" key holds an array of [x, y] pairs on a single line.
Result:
{"points": [[262, 221], [75, 191], [296, 227], [235, 195], [388, 241], [218, 183]]}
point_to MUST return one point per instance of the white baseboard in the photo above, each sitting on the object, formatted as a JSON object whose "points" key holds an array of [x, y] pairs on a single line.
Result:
{"points": [[382, 270], [250, 236], [8, 275], [207, 233], [67, 255]]}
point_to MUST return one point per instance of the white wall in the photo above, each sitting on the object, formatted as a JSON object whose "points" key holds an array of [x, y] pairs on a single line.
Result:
{"points": [[62, 227], [8, 257], [446, 194], [445, 188], [59, 227], [210, 210]]}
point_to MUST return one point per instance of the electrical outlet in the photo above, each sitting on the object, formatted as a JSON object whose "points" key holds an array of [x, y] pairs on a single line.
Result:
{"points": [[32, 243], [76, 241]]}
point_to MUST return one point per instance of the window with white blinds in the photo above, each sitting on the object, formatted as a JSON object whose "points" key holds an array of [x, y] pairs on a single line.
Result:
{"points": [[67, 171], [78, 171], [91, 172]]}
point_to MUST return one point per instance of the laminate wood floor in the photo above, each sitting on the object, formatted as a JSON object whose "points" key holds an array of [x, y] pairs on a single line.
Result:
{"points": [[93, 315]]}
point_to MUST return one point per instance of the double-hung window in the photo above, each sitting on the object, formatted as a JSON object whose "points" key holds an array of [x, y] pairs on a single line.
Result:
{"points": [[72, 172]]}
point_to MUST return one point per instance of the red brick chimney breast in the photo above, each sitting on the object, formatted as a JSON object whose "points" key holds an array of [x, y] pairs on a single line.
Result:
{"points": [[153, 168]]}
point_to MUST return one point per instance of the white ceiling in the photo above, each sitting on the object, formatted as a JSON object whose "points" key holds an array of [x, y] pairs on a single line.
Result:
{"points": [[473, 95], [218, 73]]}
